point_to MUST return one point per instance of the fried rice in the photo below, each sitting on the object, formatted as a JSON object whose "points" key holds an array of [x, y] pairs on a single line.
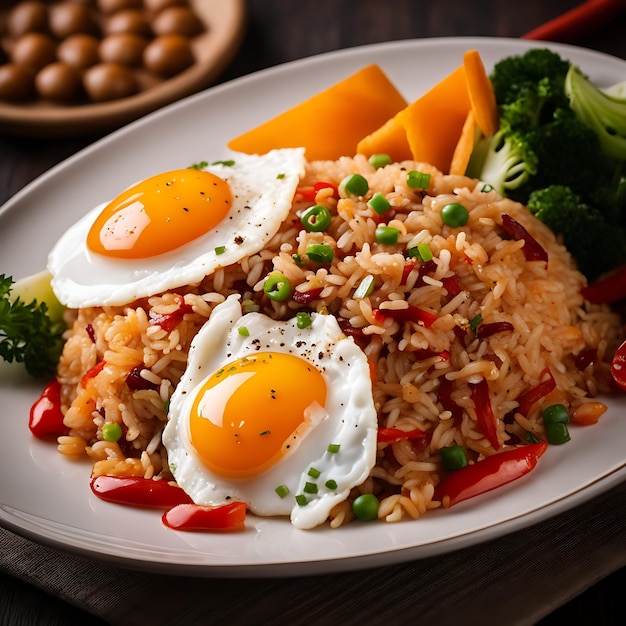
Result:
{"points": [[121, 364]]}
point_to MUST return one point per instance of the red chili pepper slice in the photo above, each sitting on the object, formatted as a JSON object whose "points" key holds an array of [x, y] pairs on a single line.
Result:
{"points": [[427, 353], [489, 473], [169, 321], [227, 517], [618, 367], [138, 491], [608, 289], [46, 419], [410, 314], [92, 373], [527, 399], [446, 387], [533, 250], [485, 418], [307, 194], [389, 435], [406, 270], [305, 297], [452, 285]]}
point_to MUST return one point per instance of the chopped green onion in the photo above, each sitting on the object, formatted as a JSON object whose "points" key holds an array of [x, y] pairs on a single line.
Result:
{"points": [[354, 185], [297, 259], [243, 331], [316, 219], [379, 160], [417, 180], [365, 507], [454, 215], [199, 166], [379, 203], [555, 414], [453, 457], [424, 251], [365, 288], [301, 500], [277, 287], [557, 433], [220, 250], [320, 252], [228, 163], [331, 484], [111, 431], [387, 235], [314, 473], [333, 447], [280, 176], [486, 188], [282, 490], [310, 488], [303, 319], [475, 322], [531, 438]]}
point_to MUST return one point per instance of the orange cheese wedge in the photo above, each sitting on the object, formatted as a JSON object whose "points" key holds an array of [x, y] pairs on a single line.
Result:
{"points": [[329, 124]]}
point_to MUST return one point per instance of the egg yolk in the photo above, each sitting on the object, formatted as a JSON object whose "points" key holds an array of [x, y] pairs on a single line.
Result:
{"points": [[251, 412], [160, 214]]}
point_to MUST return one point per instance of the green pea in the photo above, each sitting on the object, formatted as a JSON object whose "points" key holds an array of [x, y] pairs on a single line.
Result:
{"points": [[365, 507], [277, 287], [387, 235], [354, 185], [557, 433], [555, 414], [454, 215], [316, 218], [379, 203], [320, 253], [379, 160], [453, 457], [111, 431]]}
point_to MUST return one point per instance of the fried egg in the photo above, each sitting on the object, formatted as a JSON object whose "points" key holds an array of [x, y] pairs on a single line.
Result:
{"points": [[277, 416], [174, 228]]}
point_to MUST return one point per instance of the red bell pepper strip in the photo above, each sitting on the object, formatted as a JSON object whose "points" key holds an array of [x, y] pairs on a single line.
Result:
{"points": [[92, 373], [527, 399], [410, 314], [608, 289], [46, 418], [489, 473], [533, 250], [138, 491], [618, 367], [226, 517], [389, 435], [485, 418]]}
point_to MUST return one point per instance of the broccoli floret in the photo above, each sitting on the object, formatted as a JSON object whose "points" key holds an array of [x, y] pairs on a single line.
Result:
{"points": [[603, 112], [504, 160], [597, 244]]}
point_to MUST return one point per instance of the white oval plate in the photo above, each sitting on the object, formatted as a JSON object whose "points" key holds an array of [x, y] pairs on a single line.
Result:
{"points": [[47, 498]]}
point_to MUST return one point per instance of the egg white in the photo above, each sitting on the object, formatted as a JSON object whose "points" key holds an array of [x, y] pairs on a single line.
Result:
{"points": [[262, 186], [348, 419]]}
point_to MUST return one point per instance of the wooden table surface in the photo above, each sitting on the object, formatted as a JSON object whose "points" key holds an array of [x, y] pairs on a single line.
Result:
{"points": [[280, 31]]}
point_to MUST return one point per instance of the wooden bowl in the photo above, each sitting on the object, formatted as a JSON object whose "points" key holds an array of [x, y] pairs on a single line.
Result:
{"points": [[214, 48]]}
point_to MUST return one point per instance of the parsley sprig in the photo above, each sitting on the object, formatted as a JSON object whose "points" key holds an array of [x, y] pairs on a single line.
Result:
{"points": [[27, 334]]}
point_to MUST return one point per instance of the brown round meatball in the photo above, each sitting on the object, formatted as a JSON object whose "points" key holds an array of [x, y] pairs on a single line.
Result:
{"points": [[128, 21], [79, 51], [17, 82], [69, 18], [124, 48], [178, 21], [155, 6], [59, 82], [168, 55], [111, 6], [109, 81], [26, 17], [34, 50]]}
